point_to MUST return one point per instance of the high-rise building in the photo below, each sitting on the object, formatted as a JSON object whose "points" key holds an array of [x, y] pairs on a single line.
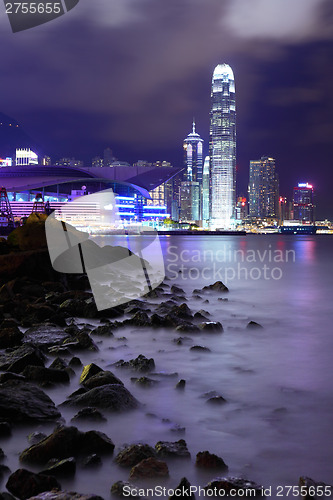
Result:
{"points": [[190, 194], [205, 193], [223, 148], [263, 188], [303, 203]]}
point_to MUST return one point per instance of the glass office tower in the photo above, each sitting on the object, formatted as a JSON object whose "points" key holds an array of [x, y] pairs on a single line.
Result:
{"points": [[223, 148]]}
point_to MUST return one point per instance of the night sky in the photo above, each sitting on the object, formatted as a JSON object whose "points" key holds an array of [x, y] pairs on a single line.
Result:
{"points": [[131, 74]]}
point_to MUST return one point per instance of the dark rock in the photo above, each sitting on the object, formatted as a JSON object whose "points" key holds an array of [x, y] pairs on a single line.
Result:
{"points": [[24, 402], [38, 312], [183, 490], [89, 414], [237, 484], [252, 325], [36, 437], [140, 318], [144, 381], [216, 400], [103, 330], [25, 484], [200, 317], [4, 471], [199, 348], [6, 496], [92, 460], [43, 375], [177, 290], [67, 442], [62, 468], [114, 397], [45, 335], [140, 364], [148, 468], [310, 488], [218, 286], [118, 490], [211, 326], [134, 454], [181, 384], [159, 321], [5, 429], [187, 327], [89, 371], [16, 360], [208, 460], [2, 455], [65, 495], [101, 378], [10, 376], [10, 337], [172, 449], [75, 361], [81, 341], [182, 311]]}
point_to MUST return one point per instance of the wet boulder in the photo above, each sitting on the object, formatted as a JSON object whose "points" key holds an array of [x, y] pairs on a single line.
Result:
{"points": [[246, 487], [102, 378], [25, 484], [66, 442], [183, 490], [149, 468], [253, 325], [89, 414], [17, 359], [65, 495], [207, 460], [200, 348], [122, 489], [218, 286], [310, 488], [133, 454], [45, 335], [45, 376], [144, 381], [89, 371], [140, 364], [172, 449], [211, 326], [10, 337], [103, 331], [24, 402], [114, 397], [61, 468]]}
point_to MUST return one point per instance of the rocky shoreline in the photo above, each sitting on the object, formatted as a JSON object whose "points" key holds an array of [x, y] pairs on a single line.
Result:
{"points": [[41, 343]]}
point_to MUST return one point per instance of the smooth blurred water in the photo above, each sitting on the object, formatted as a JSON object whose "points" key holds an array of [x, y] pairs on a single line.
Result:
{"points": [[277, 423]]}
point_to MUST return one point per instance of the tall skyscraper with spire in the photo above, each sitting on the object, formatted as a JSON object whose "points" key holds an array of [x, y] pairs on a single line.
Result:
{"points": [[222, 148], [191, 186]]}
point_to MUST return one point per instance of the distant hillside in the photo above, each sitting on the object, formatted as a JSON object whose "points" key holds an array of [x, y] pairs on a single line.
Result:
{"points": [[12, 136]]}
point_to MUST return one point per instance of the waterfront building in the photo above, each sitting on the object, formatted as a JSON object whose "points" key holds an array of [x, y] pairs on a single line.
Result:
{"points": [[223, 148], [303, 203], [25, 156], [263, 188]]}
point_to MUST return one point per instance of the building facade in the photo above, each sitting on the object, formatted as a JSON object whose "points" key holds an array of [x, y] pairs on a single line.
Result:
{"points": [[190, 194], [303, 203], [263, 188], [222, 148]]}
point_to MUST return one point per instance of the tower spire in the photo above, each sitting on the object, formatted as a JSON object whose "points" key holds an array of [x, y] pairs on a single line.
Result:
{"points": [[193, 126]]}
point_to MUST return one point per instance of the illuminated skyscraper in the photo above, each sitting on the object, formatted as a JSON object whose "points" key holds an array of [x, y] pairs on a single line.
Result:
{"points": [[303, 203], [190, 193], [222, 148], [263, 188]]}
